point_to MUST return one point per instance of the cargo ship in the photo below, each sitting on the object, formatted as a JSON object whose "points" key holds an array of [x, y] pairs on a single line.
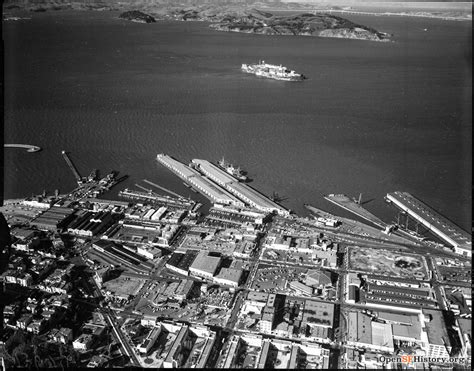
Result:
{"points": [[234, 171], [272, 71]]}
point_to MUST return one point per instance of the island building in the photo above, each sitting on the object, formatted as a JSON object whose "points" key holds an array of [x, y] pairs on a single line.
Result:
{"points": [[441, 226], [242, 191], [191, 176]]}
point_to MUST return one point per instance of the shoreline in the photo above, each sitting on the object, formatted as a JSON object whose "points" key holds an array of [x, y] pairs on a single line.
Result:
{"points": [[167, 13]]}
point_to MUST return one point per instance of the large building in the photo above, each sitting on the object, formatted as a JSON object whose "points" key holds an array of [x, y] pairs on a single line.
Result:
{"points": [[180, 262], [439, 344], [365, 333], [229, 277], [150, 340], [204, 265]]}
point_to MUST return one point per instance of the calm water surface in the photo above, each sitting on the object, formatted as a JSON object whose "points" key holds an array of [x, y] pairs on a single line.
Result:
{"points": [[372, 118]]}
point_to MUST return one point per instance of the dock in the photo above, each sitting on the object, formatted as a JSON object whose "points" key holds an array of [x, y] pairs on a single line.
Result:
{"points": [[319, 212], [163, 189], [209, 189], [346, 203], [153, 197], [459, 239]]}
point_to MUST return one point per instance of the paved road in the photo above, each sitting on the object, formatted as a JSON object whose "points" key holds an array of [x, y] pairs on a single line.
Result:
{"points": [[119, 336]]}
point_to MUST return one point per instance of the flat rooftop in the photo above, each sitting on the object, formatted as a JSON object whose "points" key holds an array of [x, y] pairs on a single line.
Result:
{"points": [[254, 196], [214, 172], [230, 274], [403, 325], [424, 212], [213, 190], [435, 327], [184, 170], [206, 263], [319, 313]]}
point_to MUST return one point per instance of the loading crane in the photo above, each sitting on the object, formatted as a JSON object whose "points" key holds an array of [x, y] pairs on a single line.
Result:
{"points": [[72, 167]]}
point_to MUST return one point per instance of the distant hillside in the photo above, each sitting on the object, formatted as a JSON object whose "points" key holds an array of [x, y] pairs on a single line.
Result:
{"points": [[307, 24], [246, 16]]}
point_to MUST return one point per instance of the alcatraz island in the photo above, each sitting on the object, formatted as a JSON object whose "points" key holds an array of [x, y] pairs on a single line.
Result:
{"points": [[152, 279]]}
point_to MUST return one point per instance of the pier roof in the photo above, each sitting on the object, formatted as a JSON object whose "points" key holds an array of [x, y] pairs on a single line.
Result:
{"points": [[254, 196], [214, 172], [452, 233]]}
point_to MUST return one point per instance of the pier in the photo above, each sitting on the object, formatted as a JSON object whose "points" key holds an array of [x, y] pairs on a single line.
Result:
{"points": [[212, 191], [28, 147], [436, 223], [72, 167], [163, 189], [153, 197], [346, 203]]}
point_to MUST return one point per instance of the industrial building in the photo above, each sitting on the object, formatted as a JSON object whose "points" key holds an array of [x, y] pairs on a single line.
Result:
{"points": [[229, 277], [150, 340], [204, 265], [180, 262], [53, 219]]}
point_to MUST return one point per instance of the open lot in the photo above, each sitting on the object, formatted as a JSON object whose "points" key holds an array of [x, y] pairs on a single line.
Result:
{"points": [[124, 286], [275, 279], [302, 258], [454, 274], [211, 308], [387, 263]]}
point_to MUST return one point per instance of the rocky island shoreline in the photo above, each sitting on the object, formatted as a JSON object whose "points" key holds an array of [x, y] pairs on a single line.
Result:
{"points": [[307, 24], [137, 16], [228, 16]]}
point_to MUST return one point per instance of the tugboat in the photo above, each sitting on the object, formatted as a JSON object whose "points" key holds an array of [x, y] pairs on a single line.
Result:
{"points": [[234, 171]]}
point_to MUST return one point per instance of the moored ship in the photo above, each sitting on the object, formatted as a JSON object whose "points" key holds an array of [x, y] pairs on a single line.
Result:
{"points": [[272, 71], [234, 171]]}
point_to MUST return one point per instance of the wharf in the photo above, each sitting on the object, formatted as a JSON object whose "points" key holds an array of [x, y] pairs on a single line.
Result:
{"points": [[346, 203], [438, 224], [131, 194], [242, 191], [212, 191], [363, 230], [320, 212]]}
